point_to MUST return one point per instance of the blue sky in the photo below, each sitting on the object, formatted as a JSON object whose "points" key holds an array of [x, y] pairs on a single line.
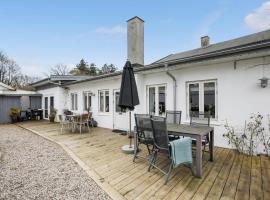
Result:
{"points": [[41, 34]]}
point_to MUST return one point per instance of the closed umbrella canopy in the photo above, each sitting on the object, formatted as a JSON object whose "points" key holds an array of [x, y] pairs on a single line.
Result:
{"points": [[128, 98]]}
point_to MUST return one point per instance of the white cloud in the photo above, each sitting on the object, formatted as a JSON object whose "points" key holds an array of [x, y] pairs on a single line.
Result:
{"points": [[259, 19], [112, 30]]}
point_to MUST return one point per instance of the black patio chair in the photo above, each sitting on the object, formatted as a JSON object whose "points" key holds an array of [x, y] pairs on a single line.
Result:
{"points": [[23, 115], [200, 119], [143, 133], [173, 117], [162, 145]]}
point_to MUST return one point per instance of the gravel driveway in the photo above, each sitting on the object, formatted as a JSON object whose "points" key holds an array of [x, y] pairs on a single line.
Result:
{"points": [[34, 168]]}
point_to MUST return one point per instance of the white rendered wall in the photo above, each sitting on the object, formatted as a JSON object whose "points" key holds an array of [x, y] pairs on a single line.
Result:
{"points": [[239, 93]]}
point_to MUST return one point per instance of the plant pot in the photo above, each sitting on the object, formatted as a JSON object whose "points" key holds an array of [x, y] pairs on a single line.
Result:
{"points": [[14, 119], [52, 118]]}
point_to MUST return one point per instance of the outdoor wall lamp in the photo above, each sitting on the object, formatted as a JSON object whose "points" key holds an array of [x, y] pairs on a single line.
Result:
{"points": [[264, 82]]}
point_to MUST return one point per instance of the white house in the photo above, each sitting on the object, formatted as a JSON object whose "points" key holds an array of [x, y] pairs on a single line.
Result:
{"points": [[222, 78]]}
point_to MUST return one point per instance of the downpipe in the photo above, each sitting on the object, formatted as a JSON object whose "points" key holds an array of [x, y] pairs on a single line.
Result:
{"points": [[174, 85]]}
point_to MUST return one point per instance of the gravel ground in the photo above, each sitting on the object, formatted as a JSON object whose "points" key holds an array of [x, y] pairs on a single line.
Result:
{"points": [[34, 168]]}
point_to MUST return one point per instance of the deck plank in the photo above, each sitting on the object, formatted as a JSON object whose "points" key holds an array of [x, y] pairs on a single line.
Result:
{"points": [[219, 183], [230, 176], [230, 188]]}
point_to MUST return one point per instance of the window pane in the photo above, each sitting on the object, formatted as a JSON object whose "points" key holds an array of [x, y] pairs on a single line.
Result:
{"points": [[209, 98], [51, 102], [89, 102], [161, 98], [101, 101], [117, 108], [72, 101], [46, 107], [152, 100], [76, 101], [85, 101], [107, 108], [194, 97]]}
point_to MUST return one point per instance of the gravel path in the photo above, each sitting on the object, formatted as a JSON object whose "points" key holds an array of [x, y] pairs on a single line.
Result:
{"points": [[34, 168]]}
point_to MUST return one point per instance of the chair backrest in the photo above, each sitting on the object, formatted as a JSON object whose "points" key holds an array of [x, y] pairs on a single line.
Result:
{"points": [[60, 117], [173, 117], [143, 122], [160, 134], [90, 115], [84, 117], [199, 118]]}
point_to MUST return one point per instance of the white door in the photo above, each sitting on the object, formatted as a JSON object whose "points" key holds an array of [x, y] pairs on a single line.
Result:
{"points": [[120, 119]]}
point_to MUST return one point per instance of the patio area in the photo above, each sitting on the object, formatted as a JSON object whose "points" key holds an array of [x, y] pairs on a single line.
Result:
{"points": [[230, 176]]}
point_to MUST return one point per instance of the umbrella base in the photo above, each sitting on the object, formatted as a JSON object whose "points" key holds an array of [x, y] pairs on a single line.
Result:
{"points": [[128, 149]]}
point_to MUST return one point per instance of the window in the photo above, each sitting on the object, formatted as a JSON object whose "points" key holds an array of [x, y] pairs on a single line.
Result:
{"points": [[52, 102], [87, 101], [157, 100], [104, 101], [74, 101], [202, 97]]}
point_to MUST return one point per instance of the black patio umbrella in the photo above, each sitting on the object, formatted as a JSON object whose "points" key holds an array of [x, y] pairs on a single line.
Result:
{"points": [[128, 97]]}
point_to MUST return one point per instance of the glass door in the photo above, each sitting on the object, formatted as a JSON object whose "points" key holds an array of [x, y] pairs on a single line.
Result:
{"points": [[46, 111]]}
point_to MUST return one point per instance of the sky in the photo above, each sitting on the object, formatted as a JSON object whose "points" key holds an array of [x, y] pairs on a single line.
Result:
{"points": [[41, 34]]}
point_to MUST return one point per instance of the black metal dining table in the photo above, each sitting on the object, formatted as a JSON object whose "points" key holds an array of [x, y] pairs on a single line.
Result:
{"points": [[196, 132]]}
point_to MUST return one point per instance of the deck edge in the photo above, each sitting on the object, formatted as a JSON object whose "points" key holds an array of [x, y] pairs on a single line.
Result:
{"points": [[90, 172]]}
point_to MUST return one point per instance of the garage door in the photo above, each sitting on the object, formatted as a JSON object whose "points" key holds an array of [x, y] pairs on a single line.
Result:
{"points": [[5, 104]]}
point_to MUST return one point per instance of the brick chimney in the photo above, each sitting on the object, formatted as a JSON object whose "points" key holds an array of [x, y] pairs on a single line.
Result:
{"points": [[135, 39], [205, 41]]}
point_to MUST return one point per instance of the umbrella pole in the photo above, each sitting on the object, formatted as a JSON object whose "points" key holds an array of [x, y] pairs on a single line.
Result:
{"points": [[130, 137]]}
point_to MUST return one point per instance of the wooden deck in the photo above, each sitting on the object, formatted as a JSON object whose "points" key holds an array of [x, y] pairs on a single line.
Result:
{"points": [[230, 176]]}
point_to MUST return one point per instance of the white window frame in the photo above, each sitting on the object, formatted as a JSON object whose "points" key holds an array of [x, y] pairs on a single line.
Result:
{"points": [[201, 96], [104, 101], [88, 94], [74, 104], [156, 86]]}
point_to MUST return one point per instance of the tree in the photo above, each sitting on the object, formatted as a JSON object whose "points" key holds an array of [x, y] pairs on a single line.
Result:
{"points": [[106, 69], [81, 68], [84, 69], [10, 73], [93, 70], [60, 70]]}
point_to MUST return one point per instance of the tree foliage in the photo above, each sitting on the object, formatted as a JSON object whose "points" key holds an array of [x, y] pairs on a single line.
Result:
{"points": [[83, 68], [107, 68], [60, 70], [10, 73]]}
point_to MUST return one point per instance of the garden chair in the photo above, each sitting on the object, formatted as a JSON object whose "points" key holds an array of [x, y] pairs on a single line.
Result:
{"points": [[178, 151], [200, 119], [143, 133], [82, 121], [173, 117], [63, 122]]}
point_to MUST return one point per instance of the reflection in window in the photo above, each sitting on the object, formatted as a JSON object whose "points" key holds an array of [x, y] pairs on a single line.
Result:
{"points": [[104, 101], [152, 100], [194, 97], [87, 99], [161, 98], [117, 108], [101, 101], [202, 98], [107, 108], [209, 98], [74, 101]]}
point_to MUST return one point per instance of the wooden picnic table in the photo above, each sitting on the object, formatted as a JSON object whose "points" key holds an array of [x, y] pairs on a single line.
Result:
{"points": [[196, 132]]}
